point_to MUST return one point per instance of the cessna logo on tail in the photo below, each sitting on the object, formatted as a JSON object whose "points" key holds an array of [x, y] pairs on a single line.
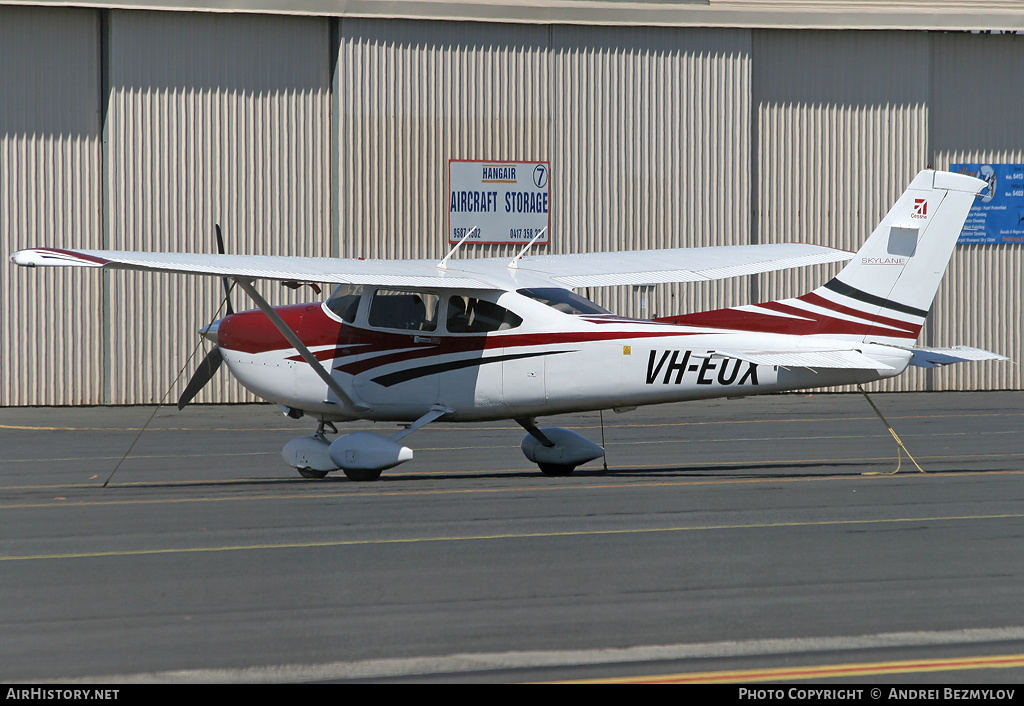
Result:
{"points": [[920, 208], [676, 364]]}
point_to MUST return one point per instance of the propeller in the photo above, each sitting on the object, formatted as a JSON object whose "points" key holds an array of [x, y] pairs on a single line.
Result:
{"points": [[202, 376], [210, 364], [227, 284]]}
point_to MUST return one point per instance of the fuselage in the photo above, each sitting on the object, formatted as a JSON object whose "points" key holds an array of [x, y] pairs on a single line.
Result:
{"points": [[493, 355]]}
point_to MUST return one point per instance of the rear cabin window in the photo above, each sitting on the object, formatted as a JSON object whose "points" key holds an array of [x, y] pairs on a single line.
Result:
{"points": [[564, 300], [409, 311], [471, 315]]}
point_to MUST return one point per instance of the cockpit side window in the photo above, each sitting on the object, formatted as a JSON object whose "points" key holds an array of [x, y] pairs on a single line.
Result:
{"points": [[564, 300], [410, 311], [344, 302], [472, 315]]}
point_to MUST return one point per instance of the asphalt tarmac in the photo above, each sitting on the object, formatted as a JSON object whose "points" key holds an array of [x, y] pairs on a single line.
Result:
{"points": [[757, 540]]}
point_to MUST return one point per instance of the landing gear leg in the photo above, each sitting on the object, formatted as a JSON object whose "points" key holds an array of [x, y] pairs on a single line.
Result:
{"points": [[363, 455]]}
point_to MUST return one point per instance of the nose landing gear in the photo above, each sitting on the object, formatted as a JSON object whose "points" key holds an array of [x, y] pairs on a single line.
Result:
{"points": [[311, 455]]}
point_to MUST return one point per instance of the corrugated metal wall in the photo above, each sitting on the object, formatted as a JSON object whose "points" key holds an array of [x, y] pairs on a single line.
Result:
{"points": [[50, 195], [212, 119], [411, 96], [669, 106], [974, 120], [651, 150], [314, 136]]}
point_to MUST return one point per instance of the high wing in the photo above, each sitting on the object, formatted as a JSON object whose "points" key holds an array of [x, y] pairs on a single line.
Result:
{"points": [[406, 273], [566, 271], [637, 267]]}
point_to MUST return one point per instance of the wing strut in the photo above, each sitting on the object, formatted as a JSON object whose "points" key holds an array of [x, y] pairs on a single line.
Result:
{"points": [[514, 264], [348, 399], [435, 412], [444, 263]]}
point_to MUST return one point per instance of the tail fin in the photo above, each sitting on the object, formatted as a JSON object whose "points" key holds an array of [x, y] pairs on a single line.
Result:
{"points": [[885, 292], [892, 280]]}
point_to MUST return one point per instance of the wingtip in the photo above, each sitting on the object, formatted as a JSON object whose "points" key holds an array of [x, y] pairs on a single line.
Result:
{"points": [[49, 257], [23, 258]]}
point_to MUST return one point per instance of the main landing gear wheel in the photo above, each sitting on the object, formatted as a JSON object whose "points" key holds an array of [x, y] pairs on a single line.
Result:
{"points": [[310, 473], [555, 470], [362, 474]]}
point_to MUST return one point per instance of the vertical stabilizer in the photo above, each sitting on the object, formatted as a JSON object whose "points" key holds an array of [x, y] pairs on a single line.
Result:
{"points": [[894, 276], [883, 295]]}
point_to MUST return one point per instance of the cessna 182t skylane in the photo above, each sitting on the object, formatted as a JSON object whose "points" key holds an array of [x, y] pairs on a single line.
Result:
{"points": [[483, 339]]}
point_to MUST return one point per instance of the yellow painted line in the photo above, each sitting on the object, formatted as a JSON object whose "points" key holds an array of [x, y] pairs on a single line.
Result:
{"points": [[770, 420], [826, 671], [916, 440], [134, 457], [29, 427], [504, 536]]}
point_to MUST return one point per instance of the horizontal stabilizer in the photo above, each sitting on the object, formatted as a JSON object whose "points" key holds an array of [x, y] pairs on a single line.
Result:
{"points": [[813, 359], [934, 357]]}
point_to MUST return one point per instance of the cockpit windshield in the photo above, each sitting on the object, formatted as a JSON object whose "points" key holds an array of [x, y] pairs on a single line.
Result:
{"points": [[345, 301], [564, 300]]}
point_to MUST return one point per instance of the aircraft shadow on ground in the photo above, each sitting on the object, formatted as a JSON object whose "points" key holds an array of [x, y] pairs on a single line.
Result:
{"points": [[740, 471]]}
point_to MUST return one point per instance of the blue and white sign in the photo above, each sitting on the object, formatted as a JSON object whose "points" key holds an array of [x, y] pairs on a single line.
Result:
{"points": [[997, 215], [498, 202]]}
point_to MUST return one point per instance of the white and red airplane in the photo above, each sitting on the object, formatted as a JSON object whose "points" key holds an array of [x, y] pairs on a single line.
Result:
{"points": [[414, 341]]}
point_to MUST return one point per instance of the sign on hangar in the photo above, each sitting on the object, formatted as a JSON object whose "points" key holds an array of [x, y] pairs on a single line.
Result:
{"points": [[498, 202], [997, 216]]}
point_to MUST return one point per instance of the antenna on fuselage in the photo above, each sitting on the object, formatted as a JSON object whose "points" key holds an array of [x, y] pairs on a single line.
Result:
{"points": [[514, 264], [444, 263]]}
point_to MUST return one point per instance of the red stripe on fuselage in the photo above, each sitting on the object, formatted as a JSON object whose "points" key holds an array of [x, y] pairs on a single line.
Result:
{"points": [[482, 342], [252, 332], [808, 324], [818, 300]]}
